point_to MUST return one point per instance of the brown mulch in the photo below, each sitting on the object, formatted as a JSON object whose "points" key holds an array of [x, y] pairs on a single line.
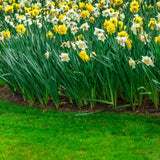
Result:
{"points": [[147, 108]]}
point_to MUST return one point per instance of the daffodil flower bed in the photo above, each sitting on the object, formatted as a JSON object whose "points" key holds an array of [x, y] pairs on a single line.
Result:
{"points": [[85, 51]]}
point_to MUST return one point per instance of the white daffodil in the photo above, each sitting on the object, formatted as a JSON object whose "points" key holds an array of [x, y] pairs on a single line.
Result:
{"points": [[47, 18], [28, 14], [106, 13], [147, 60], [65, 57], [97, 31], [158, 16], [93, 55], [84, 26], [66, 44], [136, 15], [54, 20], [81, 45], [39, 24], [105, 2], [24, 3], [74, 30], [7, 19], [47, 55], [121, 40], [66, 20], [122, 16], [28, 22], [39, 4], [125, 5], [62, 7], [73, 45], [132, 63], [106, 6], [96, 13], [72, 24], [157, 26], [101, 37], [114, 14], [134, 28], [55, 10], [20, 19], [76, 17], [11, 24], [145, 38], [95, 9], [1, 36], [90, 1], [70, 14], [96, 5], [16, 15], [48, 2]]}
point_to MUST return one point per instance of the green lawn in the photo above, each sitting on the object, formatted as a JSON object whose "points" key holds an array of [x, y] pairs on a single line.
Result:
{"points": [[29, 133]]}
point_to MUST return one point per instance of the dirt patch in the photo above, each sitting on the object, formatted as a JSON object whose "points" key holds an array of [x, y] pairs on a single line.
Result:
{"points": [[147, 108]]}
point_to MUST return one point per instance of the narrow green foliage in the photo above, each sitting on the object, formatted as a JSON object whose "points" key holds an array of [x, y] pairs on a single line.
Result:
{"points": [[114, 57]]}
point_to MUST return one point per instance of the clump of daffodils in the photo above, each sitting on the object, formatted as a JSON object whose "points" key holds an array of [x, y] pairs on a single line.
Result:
{"points": [[91, 41], [79, 21]]}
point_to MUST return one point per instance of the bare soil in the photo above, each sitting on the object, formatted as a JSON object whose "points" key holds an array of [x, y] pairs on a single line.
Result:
{"points": [[147, 108]]}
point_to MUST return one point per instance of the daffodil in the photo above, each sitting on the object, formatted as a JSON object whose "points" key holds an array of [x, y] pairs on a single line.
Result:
{"points": [[20, 29], [81, 45], [132, 63], [62, 29], [147, 60], [83, 55], [64, 57], [47, 54]]}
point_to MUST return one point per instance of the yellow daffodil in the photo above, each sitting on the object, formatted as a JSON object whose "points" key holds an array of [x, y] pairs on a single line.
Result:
{"points": [[62, 29], [7, 34], [85, 14], [49, 34], [20, 29], [83, 55]]}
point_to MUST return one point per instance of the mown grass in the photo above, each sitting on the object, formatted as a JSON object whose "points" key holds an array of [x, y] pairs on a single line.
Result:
{"points": [[30, 133]]}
